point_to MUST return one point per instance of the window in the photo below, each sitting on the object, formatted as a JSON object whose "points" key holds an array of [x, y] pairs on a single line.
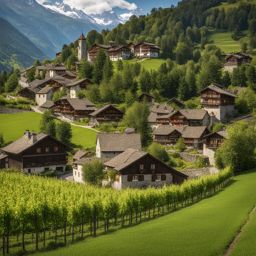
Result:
{"points": [[46, 169], [47, 149], [153, 166], [158, 177], [56, 148], [38, 150], [141, 166], [135, 178]]}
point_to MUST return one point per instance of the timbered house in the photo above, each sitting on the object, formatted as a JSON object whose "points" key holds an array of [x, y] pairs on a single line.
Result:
{"points": [[234, 60], [109, 145], [36, 153], [146, 50], [218, 102], [120, 52], [167, 134], [191, 117], [50, 70], [73, 108], [108, 113], [212, 142], [157, 111], [93, 51], [137, 169]]}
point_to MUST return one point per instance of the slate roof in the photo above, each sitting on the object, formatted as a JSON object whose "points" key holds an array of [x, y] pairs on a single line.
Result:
{"points": [[96, 112], [118, 142], [193, 114], [77, 82], [23, 143], [79, 104], [152, 118], [167, 129], [222, 133], [2, 155], [193, 132], [126, 158], [161, 108], [79, 154], [45, 90], [48, 104], [149, 44], [218, 88]]}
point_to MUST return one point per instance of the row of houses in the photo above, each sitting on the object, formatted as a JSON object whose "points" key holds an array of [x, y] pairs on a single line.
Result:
{"points": [[116, 51]]}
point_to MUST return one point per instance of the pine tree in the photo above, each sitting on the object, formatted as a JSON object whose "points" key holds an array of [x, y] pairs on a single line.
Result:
{"points": [[98, 66], [107, 69], [64, 132], [85, 70]]}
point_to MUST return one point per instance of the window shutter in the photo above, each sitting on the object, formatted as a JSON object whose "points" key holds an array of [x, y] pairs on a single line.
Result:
{"points": [[141, 177], [163, 177], [129, 178], [153, 177]]}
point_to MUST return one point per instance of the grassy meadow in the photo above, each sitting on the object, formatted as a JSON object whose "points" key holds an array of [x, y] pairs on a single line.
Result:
{"points": [[203, 229], [12, 126]]}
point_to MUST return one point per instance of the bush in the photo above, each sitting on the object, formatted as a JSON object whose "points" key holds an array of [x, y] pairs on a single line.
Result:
{"points": [[180, 145], [159, 152], [93, 172]]}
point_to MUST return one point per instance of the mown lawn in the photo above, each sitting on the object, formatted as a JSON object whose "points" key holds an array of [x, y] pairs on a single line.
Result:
{"points": [[204, 229], [12, 126], [246, 245], [224, 41]]}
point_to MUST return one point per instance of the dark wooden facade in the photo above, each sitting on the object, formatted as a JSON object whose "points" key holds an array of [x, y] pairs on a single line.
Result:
{"points": [[146, 50], [47, 152], [168, 139], [211, 98], [148, 165], [237, 59], [214, 140], [4, 163], [145, 97], [93, 51], [108, 114]]}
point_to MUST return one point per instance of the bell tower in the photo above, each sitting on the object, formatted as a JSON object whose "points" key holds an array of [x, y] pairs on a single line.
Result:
{"points": [[82, 50]]}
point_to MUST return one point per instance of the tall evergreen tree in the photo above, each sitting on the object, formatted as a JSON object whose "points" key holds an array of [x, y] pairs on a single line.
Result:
{"points": [[98, 66]]}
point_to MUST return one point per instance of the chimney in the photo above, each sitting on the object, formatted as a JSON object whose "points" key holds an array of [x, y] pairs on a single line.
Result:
{"points": [[27, 134], [33, 137]]}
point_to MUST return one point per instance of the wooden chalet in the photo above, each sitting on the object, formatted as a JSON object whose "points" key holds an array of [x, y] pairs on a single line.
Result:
{"points": [[4, 163], [157, 111], [138, 169], [176, 104], [108, 113], [146, 50], [234, 60], [167, 134], [120, 52], [191, 117], [73, 108], [218, 102], [93, 51], [212, 142], [36, 153], [51, 70], [146, 97]]}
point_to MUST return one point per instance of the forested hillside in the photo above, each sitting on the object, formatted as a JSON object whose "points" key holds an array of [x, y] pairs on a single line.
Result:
{"points": [[15, 48]]}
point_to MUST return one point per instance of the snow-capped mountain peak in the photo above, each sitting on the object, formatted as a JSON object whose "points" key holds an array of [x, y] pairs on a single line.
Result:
{"points": [[105, 19]]}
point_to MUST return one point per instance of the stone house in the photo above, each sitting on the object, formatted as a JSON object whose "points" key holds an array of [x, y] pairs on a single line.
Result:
{"points": [[44, 95], [138, 169], [109, 145], [36, 153], [77, 85]]}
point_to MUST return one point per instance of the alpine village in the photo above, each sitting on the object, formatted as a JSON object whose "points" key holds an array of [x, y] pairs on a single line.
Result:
{"points": [[138, 139]]}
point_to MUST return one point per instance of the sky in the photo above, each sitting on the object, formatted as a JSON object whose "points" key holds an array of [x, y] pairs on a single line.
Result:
{"points": [[99, 6]]}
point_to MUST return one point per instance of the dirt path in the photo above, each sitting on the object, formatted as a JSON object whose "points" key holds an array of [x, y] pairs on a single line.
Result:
{"points": [[236, 239]]}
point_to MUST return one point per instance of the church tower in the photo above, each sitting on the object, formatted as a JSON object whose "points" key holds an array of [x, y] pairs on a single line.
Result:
{"points": [[82, 50]]}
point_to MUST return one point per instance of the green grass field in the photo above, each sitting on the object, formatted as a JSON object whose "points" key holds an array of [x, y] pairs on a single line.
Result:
{"points": [[246, 244], [224, 41], [12, 126], [203, 229]]}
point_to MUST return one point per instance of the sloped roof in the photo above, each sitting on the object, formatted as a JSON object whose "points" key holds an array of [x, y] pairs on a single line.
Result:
{"points": [[222, 133], [126, 158], [118, 142], [80, 154], [2, 155], [45, 90], [48, 104], [24, 143], [82, 37], [149, 44], [193, 132], [79, 104], [96, 112], [77, 82], [152, 118], [238, 55], [166, 129], [193, 114], [218, 88], [161, 108]]}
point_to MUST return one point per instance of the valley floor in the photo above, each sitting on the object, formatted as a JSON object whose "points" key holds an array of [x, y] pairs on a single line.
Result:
{"points": [[206, 228]]}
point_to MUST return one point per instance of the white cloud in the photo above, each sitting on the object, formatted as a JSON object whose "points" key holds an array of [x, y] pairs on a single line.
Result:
{"points": [[126, 16], [99, 6]]}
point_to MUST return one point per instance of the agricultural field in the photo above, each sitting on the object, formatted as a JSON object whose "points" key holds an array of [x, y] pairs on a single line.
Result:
{"points": [[203, 229], [13, 126], [224, 41]]}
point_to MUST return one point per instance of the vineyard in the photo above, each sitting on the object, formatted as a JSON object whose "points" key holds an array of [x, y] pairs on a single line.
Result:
{"points": [[40, 213]]}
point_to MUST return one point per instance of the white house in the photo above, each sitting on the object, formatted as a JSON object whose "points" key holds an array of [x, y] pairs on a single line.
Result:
{"points": [[44, 95]]}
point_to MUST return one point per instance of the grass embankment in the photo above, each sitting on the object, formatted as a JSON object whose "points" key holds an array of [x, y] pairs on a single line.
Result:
{"points": [[224, 41], [202, 229], [12, 126]]}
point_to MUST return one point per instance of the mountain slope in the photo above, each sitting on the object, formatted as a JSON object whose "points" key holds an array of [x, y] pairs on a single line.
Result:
{"points": [[48, 30], [15, 48]]}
